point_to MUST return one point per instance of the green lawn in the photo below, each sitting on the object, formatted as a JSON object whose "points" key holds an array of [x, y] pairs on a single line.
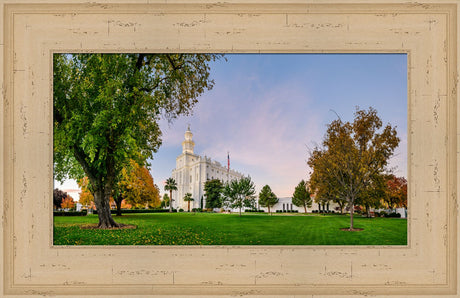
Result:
{"points": [[230, 229]]}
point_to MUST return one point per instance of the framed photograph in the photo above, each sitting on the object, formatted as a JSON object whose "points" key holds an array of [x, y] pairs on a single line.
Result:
{"points": [[35, 32]]}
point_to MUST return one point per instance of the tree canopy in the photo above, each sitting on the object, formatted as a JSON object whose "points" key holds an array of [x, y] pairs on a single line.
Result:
{"points": [[213, 193], [396, 191], [267, 197], [352, 156], [86, 196], [58, 197], [239, 193], [302, 196], [107, 107], [138, 188]]}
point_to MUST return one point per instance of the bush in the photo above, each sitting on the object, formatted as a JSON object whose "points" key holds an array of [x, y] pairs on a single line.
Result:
{"points": [[70, 213], [382, 213], [394, 214], [181, 210], [197, 210]]}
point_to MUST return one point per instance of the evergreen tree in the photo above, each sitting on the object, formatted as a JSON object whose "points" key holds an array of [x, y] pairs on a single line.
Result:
{"points": [[213, 192], [302, 196], [267, 198]]}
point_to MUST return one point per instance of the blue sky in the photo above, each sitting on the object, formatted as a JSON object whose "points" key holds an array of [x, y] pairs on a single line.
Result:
{"points": [[267, 110]]}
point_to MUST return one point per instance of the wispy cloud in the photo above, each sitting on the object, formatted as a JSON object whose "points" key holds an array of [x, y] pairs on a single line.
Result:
{"points": [[268, 136], [269, 118]]}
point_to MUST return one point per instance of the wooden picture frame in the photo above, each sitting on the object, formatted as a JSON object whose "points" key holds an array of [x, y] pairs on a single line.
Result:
{"points": [[34, 30]]}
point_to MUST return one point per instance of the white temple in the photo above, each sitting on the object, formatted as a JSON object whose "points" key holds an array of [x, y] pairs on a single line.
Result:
{"points": [[191, 173]]}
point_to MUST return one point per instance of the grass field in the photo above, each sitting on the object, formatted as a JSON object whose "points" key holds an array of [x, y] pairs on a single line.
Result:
{"points": [[230, 229]]}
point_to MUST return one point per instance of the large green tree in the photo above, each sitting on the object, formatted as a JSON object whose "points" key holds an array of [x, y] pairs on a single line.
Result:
{"points": [[353, 154], [170, 185], [239, 193], [106, 112], [267, 198], [213, 193], [302, 195]]}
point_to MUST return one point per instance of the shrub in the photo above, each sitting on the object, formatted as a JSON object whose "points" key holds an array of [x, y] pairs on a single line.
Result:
{"points": [[181, 210], [253, 210], [197, 210], [394, 214]]}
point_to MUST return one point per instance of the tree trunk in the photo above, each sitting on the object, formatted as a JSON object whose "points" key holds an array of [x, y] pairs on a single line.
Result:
{"points": [[102, 201], [269, 210], [188, 206], [240, 211], [305, 207], [351, 213], [170, 200], [118, 201]]}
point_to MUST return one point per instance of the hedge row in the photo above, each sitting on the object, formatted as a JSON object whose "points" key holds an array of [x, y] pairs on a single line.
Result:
{"points": [[394, 214], [124, 211], [323, 211], [289, 211], [70, 213]]}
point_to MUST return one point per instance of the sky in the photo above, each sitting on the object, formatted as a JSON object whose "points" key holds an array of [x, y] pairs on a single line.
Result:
{"points": [[269, 110]]}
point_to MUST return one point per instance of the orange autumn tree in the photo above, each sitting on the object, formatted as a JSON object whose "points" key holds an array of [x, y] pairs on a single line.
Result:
{"points": [[137, 188], [67, 203], [86, 196], [134, 188], [396, 192]]}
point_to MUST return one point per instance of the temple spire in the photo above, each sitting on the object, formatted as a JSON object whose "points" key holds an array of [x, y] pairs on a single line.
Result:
{"points": [[188, 144]]}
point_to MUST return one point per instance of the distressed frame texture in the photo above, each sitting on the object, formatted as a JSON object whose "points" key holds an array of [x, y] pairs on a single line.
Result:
{"points": [[33, 31]]}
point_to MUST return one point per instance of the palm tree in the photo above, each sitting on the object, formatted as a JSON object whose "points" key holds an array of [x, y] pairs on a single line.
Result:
{"points": [[170, 185], [188, 198]]}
